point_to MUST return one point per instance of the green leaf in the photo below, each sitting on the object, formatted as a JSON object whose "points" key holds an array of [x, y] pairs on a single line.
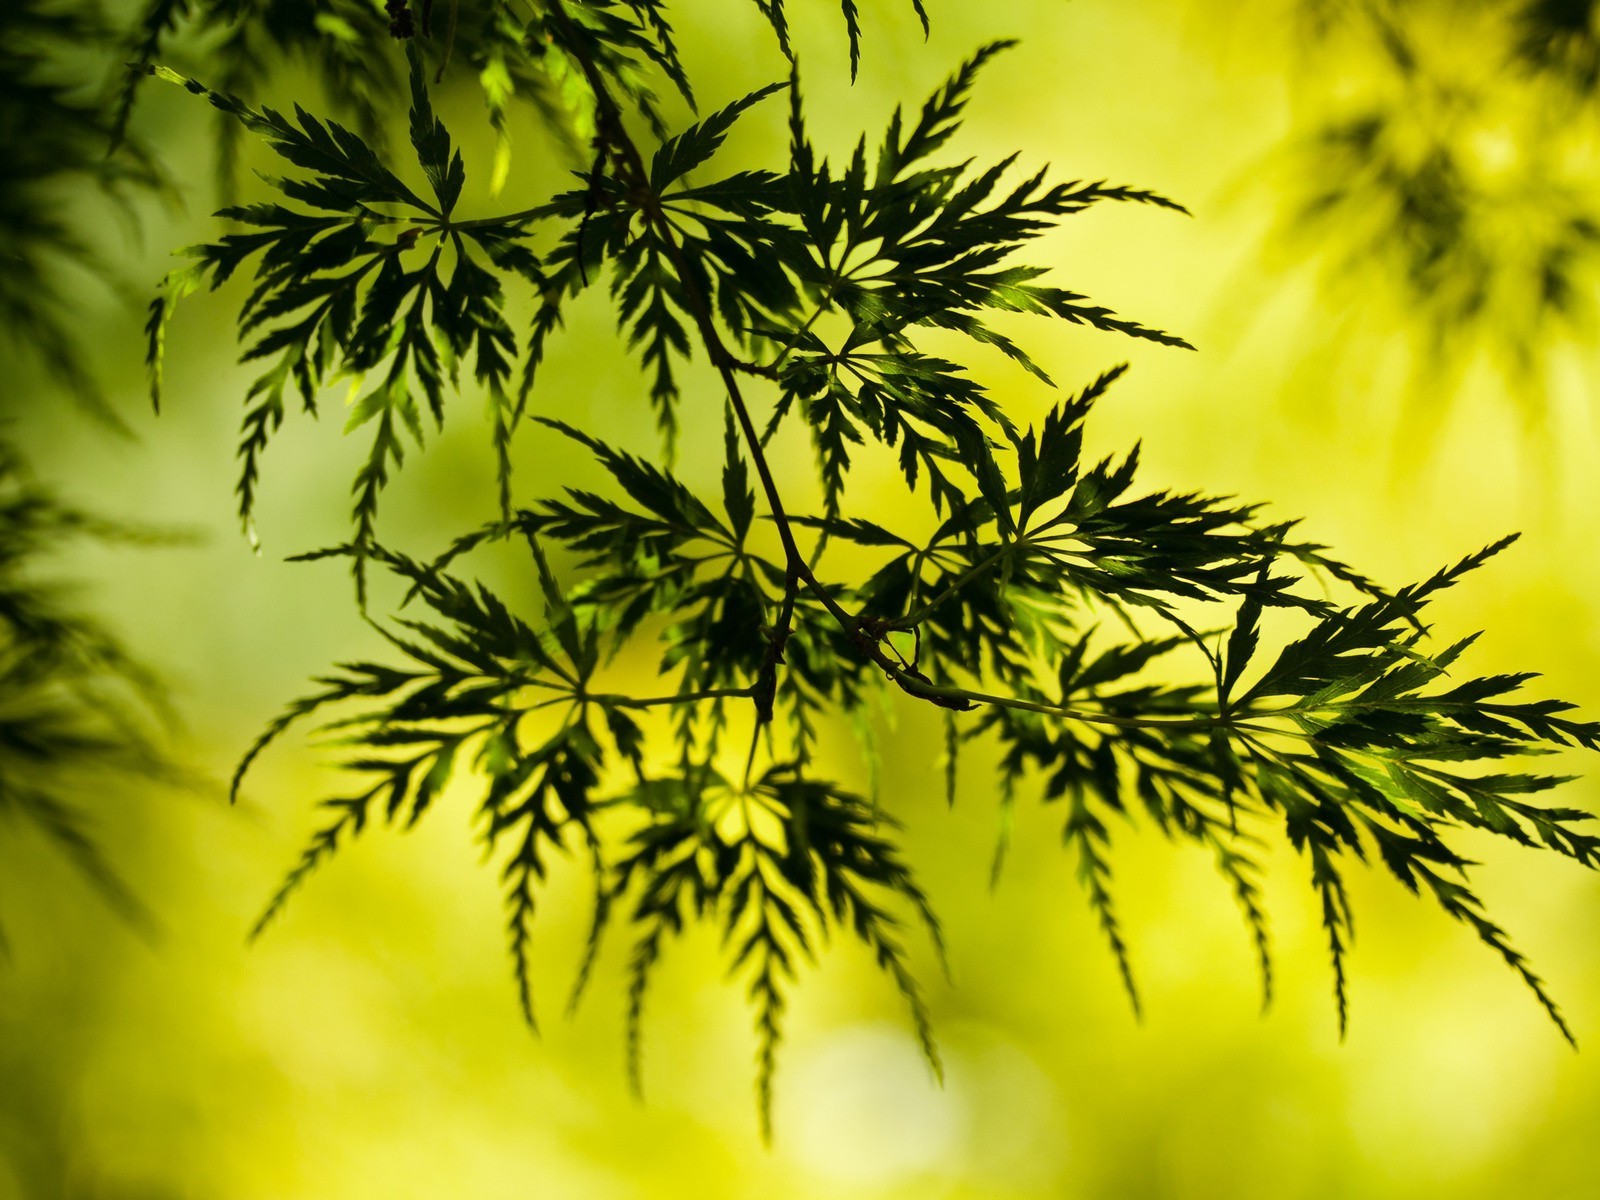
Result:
{"points": [[738, 497], [684, 152], [439, 161]]}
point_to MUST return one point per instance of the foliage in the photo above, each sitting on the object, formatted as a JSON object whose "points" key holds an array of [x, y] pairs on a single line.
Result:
{"points": [[508, 50], [75, 709], [55, 132], [1451, 175], [1045, 595]]}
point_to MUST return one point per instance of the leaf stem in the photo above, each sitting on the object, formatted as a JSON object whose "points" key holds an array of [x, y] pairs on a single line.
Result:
{"points": [[614, 140], [536, 213], [913, 619], [636, 178], [617, 700]]}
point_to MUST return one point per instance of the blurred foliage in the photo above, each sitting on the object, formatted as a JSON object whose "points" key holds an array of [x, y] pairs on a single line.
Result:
{"points": [[507, 48], [1443, 173], [57, 136], [75, 709], [342, 45], [1562, 38]]}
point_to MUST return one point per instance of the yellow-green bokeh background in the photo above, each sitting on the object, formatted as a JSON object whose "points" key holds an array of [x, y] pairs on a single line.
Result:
{"points": [[369, 1045]]}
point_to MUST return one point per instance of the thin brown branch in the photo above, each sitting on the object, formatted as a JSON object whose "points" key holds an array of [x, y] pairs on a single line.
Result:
{"points": [[631, 172]]}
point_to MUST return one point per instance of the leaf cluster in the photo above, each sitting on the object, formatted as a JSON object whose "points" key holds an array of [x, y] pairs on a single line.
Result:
{"points": [[1051, 596], [335, 294]]}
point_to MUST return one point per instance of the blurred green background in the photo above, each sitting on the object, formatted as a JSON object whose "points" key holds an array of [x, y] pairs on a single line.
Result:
{"points": [[369, 1044]]}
